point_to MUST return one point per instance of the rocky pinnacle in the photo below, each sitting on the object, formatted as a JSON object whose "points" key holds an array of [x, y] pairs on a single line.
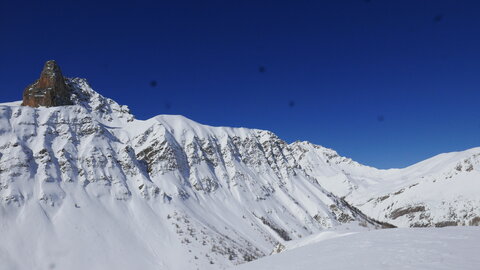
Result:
{"points": [[49, 90]]}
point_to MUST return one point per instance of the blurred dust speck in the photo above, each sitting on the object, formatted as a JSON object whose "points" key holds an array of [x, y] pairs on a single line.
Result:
{"points": [[438, 18], [380, 118], [291, 104], [262, 69], [168, 105], [153, 83]]}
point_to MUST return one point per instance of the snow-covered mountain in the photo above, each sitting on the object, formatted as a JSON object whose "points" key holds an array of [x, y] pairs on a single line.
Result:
{"points": [[89, 186], [440, 191]]}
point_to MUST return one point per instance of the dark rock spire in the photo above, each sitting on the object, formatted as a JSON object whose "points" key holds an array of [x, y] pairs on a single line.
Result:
{"points": [[49, 90]]}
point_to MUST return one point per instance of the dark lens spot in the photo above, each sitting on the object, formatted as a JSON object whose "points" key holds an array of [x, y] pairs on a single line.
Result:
{"points": [[438, 18]]}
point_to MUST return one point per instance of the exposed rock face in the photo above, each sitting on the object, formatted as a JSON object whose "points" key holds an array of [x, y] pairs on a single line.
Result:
{"points": [[49, 90]]}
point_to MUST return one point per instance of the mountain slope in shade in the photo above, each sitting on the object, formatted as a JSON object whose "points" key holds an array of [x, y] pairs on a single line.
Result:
{"points": [[89, 186], [425, 248]]}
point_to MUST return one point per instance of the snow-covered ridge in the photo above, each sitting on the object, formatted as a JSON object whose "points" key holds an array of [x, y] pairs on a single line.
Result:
{"points": [[104, 108], [209, 197]]}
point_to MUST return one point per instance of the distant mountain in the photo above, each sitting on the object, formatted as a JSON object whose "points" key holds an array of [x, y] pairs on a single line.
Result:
{"points": [[88, 186], [440, 191]]}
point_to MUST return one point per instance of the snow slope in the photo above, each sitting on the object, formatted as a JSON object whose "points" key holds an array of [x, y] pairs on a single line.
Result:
{"points": [[420, 248], [440, 191], [90, 186]]}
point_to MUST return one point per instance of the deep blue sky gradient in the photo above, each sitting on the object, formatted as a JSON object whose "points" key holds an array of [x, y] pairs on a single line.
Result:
{"points": [[387, 83]]}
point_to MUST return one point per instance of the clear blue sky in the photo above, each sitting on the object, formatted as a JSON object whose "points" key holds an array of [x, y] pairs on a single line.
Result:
{"points": [[387, 83]]}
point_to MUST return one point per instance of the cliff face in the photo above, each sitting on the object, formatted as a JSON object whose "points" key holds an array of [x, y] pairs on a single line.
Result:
{"points": [[49, 90]]}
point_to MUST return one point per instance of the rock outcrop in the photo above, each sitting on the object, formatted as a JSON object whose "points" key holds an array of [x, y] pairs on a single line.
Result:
{"points": [[49, 90]]}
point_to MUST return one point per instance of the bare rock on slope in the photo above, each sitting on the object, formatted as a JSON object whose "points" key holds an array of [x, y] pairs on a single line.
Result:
{"points": [[49, 90]]}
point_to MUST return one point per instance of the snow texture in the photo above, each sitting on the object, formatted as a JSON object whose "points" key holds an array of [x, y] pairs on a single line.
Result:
{"points": [[420, 248]]}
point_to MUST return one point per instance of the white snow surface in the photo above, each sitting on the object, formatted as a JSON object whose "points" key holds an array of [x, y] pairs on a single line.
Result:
{"points": [[88, 186], [418, 248]]}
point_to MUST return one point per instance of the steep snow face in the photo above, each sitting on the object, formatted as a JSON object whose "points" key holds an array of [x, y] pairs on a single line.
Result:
{"points": [[78, 180], [425, 248]]}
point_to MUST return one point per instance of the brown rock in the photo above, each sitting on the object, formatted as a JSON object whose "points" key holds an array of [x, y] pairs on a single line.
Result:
{"points": [[49, 90], [406, 210]]}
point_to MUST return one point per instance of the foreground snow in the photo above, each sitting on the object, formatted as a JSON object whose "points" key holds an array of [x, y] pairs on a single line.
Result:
{"points": [[426, 248]]}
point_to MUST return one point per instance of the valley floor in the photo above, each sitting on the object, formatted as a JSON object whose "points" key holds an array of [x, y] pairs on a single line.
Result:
{"points": [[425, 248]]}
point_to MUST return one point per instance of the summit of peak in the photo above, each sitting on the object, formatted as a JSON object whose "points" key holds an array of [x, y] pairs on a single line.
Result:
{"points": [[49, 90]]}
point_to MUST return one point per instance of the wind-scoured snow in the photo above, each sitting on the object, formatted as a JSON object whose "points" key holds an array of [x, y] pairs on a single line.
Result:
{"points": [[90, 186], [419, 248]]}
